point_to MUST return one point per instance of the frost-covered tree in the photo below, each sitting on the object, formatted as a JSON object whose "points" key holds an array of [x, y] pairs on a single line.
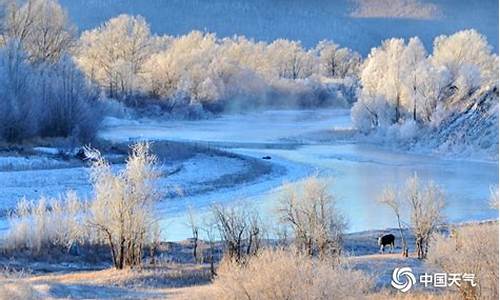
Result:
{"points": [[392, 199], [18, 109], [246, 54], [290, 60], [413, 56], [337, 62], [430, 89], [113, 55], [426, 203], [41, 28], [309, 209], [67, 102], [465, 52], [240, 230], [184, 65], [401, 82], [42, 91], [123, 207], [380, 101]]}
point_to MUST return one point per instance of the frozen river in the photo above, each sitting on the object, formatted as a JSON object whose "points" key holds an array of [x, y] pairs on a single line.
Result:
{"points": [[359, 172]]}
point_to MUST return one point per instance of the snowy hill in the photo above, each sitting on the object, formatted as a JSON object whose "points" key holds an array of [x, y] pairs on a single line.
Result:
{"points": [[471, 131], [358, 24]]}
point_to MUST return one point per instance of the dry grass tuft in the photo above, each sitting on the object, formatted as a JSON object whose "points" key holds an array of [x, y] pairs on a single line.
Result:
{"points": [[284, 274]]}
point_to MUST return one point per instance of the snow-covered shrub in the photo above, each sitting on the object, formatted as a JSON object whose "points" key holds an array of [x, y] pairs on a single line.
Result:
{"points": [[18, 289], [471, 249], [47, 100], [371, 112], [121, 214], [46, 224], [113, 108], [285, 274]]}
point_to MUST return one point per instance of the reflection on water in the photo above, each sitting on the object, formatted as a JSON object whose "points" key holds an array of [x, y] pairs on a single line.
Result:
{"points": [[359, 171]]}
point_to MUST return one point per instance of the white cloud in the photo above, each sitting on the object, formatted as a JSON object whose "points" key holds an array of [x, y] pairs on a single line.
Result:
{"points": [[404, 9]]}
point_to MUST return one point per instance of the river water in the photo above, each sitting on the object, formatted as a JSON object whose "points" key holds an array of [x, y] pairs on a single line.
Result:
{"points": [[358, 172]]}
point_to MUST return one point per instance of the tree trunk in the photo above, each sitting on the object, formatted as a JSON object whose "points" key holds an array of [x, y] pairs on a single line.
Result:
{"points": [[397, 108], [195, 249], [404, 246], [420, 253]]}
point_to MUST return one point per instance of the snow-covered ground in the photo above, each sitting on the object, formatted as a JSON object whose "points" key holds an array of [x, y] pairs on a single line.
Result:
{"points": [[359, 171], [19, 163]]}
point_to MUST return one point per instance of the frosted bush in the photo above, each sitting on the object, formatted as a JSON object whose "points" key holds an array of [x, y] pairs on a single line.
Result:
{"points": [[123, 208], [285, 274], [470, 249], [18, 290], [46, 224]]}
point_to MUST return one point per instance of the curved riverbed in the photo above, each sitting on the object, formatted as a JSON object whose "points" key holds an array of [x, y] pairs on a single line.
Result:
{"points": [[359, 172]]}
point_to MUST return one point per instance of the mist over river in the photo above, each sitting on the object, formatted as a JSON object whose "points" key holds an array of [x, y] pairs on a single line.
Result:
{"points": [[358, 171]]}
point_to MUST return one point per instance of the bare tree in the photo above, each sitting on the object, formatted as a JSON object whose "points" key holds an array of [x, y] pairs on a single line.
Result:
{"points": [[210, 230], [390, 198], [426, 206], [310, 210], [123, 207], [240, 230], [195, 230]]}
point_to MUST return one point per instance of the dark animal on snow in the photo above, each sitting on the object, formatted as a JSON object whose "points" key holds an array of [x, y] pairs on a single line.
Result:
{"points": [[386, 240], [266, 157]]}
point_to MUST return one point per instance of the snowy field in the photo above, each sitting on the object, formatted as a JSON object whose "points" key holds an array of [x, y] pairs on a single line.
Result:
{"points": [[359, 172]]}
